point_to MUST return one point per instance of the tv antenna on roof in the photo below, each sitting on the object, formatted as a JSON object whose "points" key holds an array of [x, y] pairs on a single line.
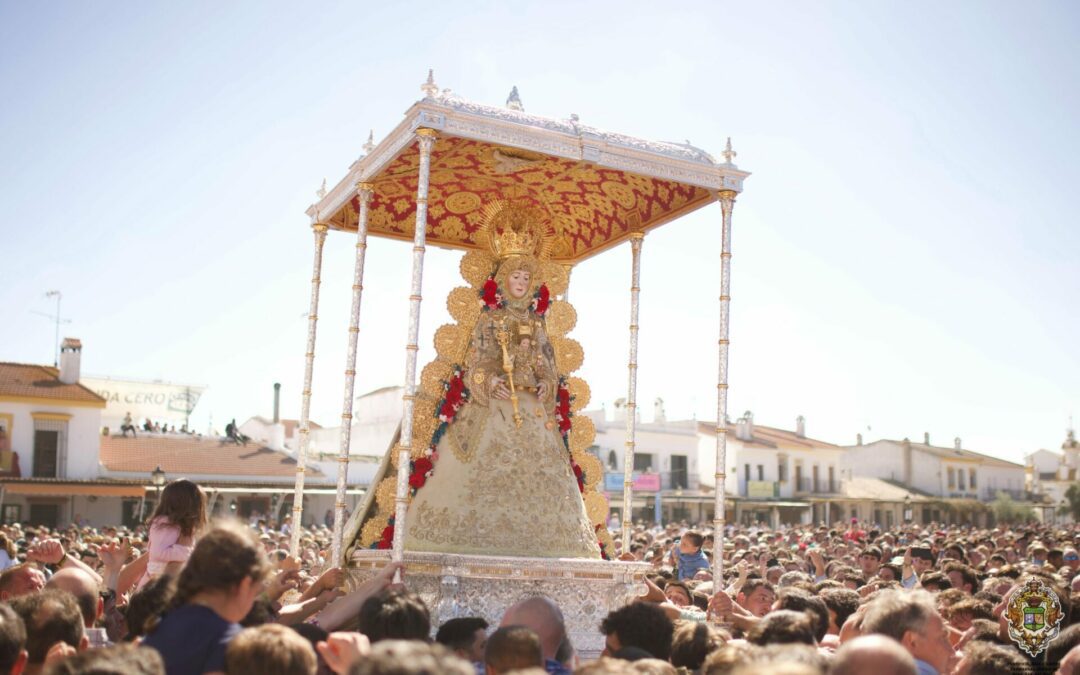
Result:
{"points": [[57, 319]]}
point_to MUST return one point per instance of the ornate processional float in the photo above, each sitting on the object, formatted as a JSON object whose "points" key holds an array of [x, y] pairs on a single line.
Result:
{"points": [[488, 492]]}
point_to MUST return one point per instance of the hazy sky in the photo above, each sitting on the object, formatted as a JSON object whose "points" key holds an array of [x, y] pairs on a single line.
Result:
{"points": [[905, 251]]}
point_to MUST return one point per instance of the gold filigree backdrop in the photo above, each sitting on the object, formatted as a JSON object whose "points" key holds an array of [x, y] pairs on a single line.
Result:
{"points": [[590, 208], [451, 342]]}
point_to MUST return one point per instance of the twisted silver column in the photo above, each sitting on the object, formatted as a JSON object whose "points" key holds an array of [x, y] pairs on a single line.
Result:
{"points": [[364, 193], [636, 240], [426, 141], [727, 203], [305, 400]]}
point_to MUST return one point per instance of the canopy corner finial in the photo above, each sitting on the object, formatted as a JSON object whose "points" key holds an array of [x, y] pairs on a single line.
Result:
{"points": [[430, 89], [728, 153], [513, 101]]}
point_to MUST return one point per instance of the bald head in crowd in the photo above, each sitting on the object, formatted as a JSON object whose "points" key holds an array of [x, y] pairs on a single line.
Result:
{"points": [[84, 588], [541, 616], [876, 654]]}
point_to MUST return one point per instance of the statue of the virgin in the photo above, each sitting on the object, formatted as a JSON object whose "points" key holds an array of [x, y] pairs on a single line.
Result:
{"points": [[502, 482]]}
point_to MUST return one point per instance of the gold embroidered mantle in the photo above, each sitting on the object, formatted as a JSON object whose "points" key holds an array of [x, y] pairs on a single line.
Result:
{"points": [[516, 467]]}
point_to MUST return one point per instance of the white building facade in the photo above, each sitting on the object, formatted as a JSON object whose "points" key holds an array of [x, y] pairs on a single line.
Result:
{"points": [[666, 472], [59, 464], [777, 476], [945, 473], [774, 476], [1050, 474]]}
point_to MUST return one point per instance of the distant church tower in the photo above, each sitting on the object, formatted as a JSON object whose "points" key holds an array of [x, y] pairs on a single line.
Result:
{"points": [[1070, 464]]}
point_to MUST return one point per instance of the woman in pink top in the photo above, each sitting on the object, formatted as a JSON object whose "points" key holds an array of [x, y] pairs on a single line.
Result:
{"points": [[178, 518]]}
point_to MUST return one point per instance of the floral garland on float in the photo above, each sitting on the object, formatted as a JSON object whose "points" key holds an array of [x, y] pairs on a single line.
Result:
{"points": [[491, 296], [563, 413], [541, 300]]}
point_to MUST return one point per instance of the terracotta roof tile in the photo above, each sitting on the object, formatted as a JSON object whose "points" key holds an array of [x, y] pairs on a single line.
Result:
{"points": [[29, 380], [291, 426], [948, 453], [770, 437], [785, 436], [181, 455]]}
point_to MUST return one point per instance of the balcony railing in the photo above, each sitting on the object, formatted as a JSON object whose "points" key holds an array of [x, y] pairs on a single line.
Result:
{"points": [[818, 487], [762, 489], [649, 481]]}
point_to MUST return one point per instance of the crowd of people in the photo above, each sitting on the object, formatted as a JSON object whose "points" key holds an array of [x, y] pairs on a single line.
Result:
{"points": [[127, 425], [184, 596]]}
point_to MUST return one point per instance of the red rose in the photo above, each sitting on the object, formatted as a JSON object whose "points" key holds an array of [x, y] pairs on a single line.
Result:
{"points": [[417, 480], [455, 387], [388, 533], [491, 293], [543, 299], [453, 397], [447, 410], [384, 544], [577, 470], [422, 465]]}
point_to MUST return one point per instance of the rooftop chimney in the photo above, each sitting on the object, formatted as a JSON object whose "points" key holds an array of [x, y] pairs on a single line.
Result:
{"points": [[956, 443], [70, 357], [858, 439], [619, 412], [659, 416], [800, 426], [277, 402], [926, 438], [744, 427], [276, 441], [907, 461]]}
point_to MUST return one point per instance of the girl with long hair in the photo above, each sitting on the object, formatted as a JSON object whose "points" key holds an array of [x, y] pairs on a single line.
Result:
{"points": [[177, 520]]}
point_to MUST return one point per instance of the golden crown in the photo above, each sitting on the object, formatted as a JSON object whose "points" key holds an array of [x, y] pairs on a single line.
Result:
{"points": [[515, 229]]}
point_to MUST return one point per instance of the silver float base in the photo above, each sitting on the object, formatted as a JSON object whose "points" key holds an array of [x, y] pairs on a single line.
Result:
{"points": [[455, 585]]}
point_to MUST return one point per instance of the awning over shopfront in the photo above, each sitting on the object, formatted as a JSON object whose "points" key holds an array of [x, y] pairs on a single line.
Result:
{"points": [[62, 488], [766, 504], [71, 489], [668, 497], [288, 490]]}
